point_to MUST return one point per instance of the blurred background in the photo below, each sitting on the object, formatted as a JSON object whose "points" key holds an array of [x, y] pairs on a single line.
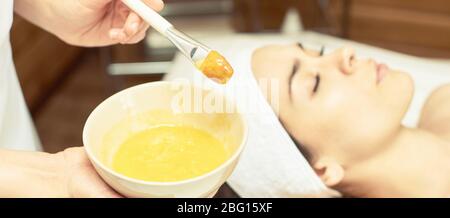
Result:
{"points": [[63, 84]]}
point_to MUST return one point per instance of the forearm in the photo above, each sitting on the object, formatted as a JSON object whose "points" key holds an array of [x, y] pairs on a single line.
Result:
{"points": [[30, 174]]}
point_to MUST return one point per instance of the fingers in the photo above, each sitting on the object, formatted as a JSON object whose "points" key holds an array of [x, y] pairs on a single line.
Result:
{"points": [[132, 24], [134, 28], [117, 35], [129, 35], [85, 183], [138, 36], [95, 187], [135, 33], [81, 179]]}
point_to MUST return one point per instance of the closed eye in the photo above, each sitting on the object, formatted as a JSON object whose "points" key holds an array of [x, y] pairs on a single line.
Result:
{"points": [[316, 86], [295, 68], [321, 52]]}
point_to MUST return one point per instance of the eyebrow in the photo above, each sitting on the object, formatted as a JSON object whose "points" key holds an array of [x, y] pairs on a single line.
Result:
{"points": [[291, 77]]}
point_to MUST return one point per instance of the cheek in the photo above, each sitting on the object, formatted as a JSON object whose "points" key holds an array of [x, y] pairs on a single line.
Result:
{"points": [[354, 118], [331, 114]]}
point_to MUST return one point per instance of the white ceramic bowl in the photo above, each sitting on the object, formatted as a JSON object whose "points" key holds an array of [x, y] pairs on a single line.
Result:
{"points": [[102, 134]]}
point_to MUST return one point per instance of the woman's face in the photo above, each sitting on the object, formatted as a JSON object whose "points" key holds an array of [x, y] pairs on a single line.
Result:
{"points": [[335, 104]]}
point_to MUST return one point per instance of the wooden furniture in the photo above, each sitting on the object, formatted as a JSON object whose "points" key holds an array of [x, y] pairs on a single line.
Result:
{"points": [[268, 15], [411, 26], [415, 27]]}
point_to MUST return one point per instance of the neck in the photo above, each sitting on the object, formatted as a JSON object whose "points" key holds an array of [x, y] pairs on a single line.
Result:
{"points": [[416, 164]]}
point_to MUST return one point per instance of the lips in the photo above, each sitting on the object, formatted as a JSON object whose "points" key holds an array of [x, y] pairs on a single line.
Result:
{"points": [[382, 71]]}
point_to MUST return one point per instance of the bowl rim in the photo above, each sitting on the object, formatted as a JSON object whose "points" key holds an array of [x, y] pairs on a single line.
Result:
{"points": [[94, 159]]}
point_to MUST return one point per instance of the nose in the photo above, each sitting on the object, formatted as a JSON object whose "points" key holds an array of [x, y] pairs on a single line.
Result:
{"points": [[346, 57]]}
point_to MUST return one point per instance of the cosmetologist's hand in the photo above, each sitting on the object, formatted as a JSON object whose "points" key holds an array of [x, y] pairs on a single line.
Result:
{"points": [[87, 22]]}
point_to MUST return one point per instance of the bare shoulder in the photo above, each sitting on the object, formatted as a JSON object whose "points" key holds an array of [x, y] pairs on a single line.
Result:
{"points": [[435, 115]]}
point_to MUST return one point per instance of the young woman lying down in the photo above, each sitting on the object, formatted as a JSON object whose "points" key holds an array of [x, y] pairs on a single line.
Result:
{"points": [[345, 113]]}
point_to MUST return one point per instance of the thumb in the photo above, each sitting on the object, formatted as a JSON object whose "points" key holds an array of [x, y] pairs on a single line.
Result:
{"points": [[87, 184], [81, 178]]}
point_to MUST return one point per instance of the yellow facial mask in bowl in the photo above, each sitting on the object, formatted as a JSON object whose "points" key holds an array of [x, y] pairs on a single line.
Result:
{"points": [[142, 148], [169, 153], [159, 146]]}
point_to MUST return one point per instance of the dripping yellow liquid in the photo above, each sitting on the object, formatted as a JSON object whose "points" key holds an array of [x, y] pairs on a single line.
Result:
{"points": [[169, 154]]}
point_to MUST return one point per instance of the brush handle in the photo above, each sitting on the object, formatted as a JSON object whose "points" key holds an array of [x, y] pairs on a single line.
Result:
{"points": [[149, 15]]}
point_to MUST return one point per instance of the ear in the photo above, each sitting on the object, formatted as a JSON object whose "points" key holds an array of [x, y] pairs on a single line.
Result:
{"points": [[330, 171]]}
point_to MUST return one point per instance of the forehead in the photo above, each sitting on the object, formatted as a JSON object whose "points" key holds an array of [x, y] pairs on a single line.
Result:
{"points": [[276, 61], [278, 53], [270, 61]]}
